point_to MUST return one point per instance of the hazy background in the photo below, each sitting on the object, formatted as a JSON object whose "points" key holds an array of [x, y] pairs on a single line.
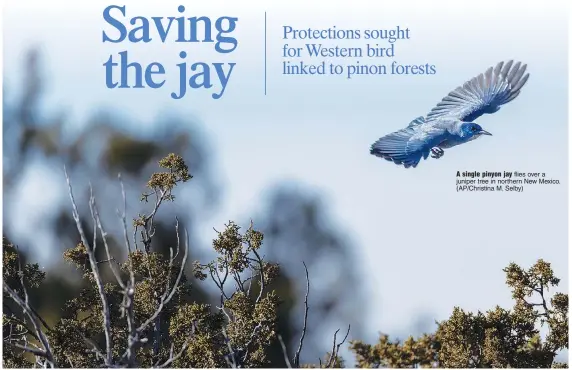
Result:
{"points": [[389, 249]]}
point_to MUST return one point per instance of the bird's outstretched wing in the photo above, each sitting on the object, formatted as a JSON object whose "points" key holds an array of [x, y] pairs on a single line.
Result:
{"points": [[482, 94], [407, 146]]}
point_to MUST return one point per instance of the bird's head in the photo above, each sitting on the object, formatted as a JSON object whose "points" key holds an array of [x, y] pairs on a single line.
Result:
{"points": [[470, 129]]}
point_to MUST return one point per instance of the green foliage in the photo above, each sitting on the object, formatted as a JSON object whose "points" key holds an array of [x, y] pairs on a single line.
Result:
{"points": [[14, 270], [164, 182], [496, 338], [412, 352]]}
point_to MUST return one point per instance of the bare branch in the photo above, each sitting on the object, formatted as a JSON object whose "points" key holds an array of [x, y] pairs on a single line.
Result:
{"points": [[250, 284], [225, 313], [97, 221], [148, 221], [336, 348], [229, 363], [284, 351], [123, 215], [21, 274], [252, 336], [132, 339], [21, 323], [332, 358], [218, 282], [129, 289], [34, 351], [343, 341], [297, 355], [95, 272], [261, 266], [32, 315], [231, 353], [166, 298], [94, 232], [220, 286], [157, 323], [178, 239], [238, 281], [33, 319], [88, 341]]}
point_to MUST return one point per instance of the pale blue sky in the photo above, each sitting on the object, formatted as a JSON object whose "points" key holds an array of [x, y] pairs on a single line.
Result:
{"points": [[416, 234]]}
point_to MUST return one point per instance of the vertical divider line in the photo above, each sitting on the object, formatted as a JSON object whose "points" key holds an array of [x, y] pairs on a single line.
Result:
{"points": [[265, 53]]}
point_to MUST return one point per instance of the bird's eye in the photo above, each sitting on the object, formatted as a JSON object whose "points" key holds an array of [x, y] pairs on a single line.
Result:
{"points": [[474, 129]]}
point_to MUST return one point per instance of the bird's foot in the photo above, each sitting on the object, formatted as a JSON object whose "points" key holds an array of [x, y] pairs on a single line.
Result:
{"points": [[437, 152]]}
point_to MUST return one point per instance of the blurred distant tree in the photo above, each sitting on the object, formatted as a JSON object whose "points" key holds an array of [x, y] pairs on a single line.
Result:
{"points": [[498, 338], [101, 147], [94, 151]]}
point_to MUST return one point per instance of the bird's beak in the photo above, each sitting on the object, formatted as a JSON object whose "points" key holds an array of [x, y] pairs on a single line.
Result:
{"points": [[483, 132]]}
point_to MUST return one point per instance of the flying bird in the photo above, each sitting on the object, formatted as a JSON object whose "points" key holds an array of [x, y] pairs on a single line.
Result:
{"points": [[451, 121]]}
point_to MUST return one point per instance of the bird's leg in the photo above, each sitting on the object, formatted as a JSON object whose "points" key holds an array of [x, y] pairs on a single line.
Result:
{"points": [[437, 152]]}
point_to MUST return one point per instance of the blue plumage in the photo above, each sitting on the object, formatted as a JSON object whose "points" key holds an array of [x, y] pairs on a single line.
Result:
{"points": [[450, 122]]}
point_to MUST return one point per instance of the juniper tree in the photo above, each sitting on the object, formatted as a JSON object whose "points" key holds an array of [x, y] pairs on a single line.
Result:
{"points": [[496, 338]]}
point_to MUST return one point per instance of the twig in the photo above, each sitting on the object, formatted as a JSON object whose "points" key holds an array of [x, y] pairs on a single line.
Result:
{"points": [[94, 243], [31, 313], [132, 339], [220, 283], [96, 275], [97, 221], [18, 321], [149, 227], [231, 353], [544, 305], [123, 215], [331, 360], [183, 349], [343, 341], [178, 238], [34, 351], [157, 321], [261, 265], [26, 308], [94, 348], [297, 355], [284, 351], [252, 336], [220, 286], [336, 348], [166, 298], [129, 289], [249, 285], [238, 281]]}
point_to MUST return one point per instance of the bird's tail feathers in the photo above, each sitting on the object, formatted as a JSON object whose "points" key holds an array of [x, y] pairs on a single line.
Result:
{"points": [[394, 147]]}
